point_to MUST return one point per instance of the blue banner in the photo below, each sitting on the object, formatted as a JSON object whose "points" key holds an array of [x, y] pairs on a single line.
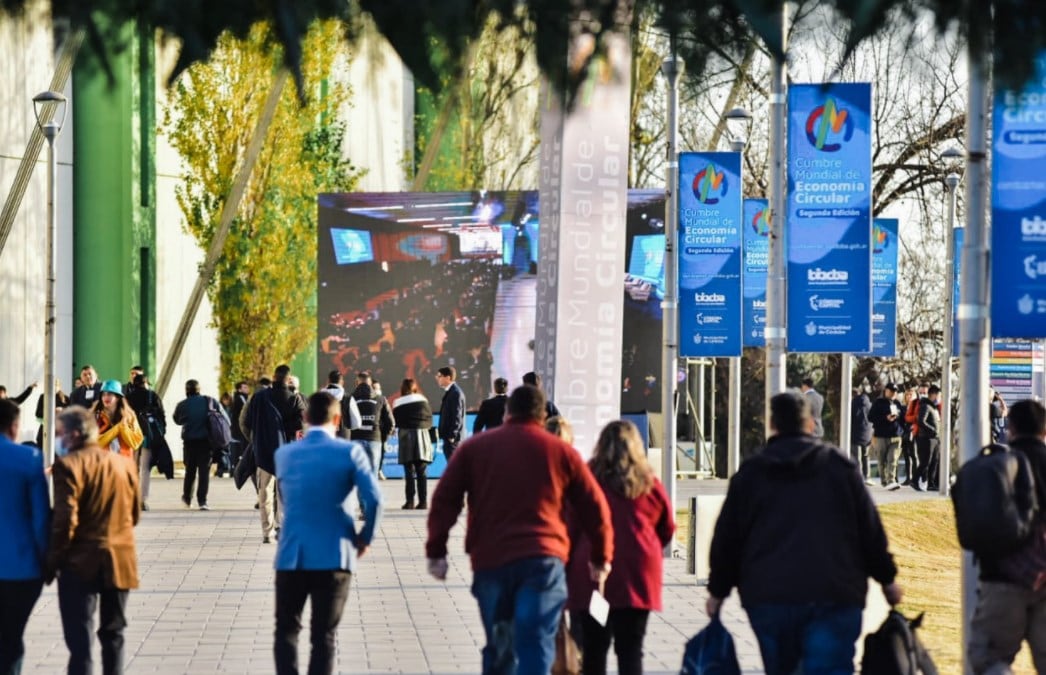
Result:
{"points": [[1018, 283], [956, 266], [884, 286], [756, 254], [709, 253], [829, 225]]}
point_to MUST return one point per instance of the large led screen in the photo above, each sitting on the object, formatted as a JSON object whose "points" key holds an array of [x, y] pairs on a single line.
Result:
{"points": [[433, 279]]}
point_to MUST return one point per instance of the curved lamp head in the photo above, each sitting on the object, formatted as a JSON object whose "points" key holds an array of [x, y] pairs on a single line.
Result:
{"points": [[738, 123], [952, 161], [50, 108]]}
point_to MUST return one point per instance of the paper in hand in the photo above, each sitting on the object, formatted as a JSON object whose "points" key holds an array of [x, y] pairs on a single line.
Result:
{"points": [[599, 608]]}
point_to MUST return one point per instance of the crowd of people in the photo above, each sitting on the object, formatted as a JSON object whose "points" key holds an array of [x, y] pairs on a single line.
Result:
{"points": [[416, 319], [552, 539]]}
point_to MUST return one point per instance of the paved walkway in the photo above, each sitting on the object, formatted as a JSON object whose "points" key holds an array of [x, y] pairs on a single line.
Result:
{"points": [[206, 600]]}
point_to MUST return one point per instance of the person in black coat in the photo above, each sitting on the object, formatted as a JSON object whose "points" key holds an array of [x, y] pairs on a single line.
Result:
{"points": [[153, 421], [413, 417], [451, 411], [492, 410], [861, 431], [887, 418], [814, 581]]}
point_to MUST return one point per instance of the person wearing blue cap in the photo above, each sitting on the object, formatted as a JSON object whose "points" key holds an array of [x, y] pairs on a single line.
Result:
{"points": [[118, 427]]}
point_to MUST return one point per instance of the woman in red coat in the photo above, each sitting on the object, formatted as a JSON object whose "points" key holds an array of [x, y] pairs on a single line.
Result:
{"points": [[643, 526]]}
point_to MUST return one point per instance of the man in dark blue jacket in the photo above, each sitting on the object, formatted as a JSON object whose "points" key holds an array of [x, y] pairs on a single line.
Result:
{"points": [[451, 411], [803, 590], [191, 413], [25, 521]]}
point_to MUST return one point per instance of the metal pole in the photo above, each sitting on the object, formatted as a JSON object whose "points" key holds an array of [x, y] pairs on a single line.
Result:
{"points": [[952, 182], [845, 398], [229, 210], [50, 131], [973, 314], [671, 69], [776, 299], [714, 396], [702, 439], [733, 460]]}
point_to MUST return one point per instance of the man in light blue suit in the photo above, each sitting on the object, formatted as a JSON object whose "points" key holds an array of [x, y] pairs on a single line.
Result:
{"points": [[25, 523], [318, 544]]}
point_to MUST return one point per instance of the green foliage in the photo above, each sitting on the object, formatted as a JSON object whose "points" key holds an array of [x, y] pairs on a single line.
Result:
{"points": [[267, 270]]}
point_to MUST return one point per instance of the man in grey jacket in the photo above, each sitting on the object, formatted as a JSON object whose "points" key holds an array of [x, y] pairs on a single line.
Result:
{"points": [[816, 402]]}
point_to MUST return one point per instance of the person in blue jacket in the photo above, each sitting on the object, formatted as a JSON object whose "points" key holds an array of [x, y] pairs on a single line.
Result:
{"points": [[319, 544], [25, 523]]}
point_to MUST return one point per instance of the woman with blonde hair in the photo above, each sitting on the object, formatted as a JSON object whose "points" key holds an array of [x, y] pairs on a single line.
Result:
{"points": [[118, 427], [643, 525]]}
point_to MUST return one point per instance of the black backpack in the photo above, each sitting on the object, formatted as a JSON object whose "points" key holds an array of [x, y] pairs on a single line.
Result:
{"points": [[895, 649], [995, 504]]}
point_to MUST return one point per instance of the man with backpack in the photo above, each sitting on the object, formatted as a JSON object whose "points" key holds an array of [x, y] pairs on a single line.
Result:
{"points": [[1008, 612], [804, 593], [375, 420], [192, 415], [927, 440]]}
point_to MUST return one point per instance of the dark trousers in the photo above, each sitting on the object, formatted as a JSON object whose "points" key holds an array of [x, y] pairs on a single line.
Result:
{"points": [[448, 449], [859, 452], [77, 601], [328, 590], [929, 462], [811, 638], [197, 456], [908, 452], [16, 604], [626, 627], [414, 474]]}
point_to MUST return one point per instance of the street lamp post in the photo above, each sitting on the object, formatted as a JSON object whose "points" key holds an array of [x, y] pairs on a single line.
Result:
{"points": [[46, 107], [738, 121], [952, 159], [671, 68]]}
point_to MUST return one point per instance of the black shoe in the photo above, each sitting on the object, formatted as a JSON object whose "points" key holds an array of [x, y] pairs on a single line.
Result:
{"points": [[145, 507], [256, 507], [187, 501], [407, 506], [421, 506], [266, 540]]}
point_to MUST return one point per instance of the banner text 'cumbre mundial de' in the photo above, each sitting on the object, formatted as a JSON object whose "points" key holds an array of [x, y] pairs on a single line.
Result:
{"points": [[1018, 284], [756, 255], [829, 218], [709, 251]]}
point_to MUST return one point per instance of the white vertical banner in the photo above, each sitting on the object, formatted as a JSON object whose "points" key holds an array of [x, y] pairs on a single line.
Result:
{"points": [[581, 254]]}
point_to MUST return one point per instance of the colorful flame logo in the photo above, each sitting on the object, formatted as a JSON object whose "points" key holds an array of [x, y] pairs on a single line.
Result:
{"points": [[709, 185], [829, 121], [761, 222], [880, 237]]}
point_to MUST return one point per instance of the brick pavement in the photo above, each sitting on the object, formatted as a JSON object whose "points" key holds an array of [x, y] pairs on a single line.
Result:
{"points": [[206, 600]]}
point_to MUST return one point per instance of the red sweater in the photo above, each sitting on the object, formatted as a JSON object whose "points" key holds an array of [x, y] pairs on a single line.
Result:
{"points": [[642, 528], [517, 478]]}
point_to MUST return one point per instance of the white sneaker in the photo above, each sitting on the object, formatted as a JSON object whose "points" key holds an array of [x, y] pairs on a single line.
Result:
{"points": [[893, 486]]}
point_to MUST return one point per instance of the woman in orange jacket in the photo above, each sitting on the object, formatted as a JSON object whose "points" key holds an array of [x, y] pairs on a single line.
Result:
{"points": [[118, 427]]}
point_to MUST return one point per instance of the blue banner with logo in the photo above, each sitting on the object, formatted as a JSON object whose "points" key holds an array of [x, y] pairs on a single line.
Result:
{"points": [[829, 218], [756, 255], [884, 286], [709, 253], [1018, 302], [957, 253]]}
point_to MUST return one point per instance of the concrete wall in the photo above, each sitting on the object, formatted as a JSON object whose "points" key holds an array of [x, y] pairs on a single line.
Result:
{"points": [[27, 60]]}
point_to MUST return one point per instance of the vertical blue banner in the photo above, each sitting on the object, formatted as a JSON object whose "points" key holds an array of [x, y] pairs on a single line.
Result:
{"points": [[756, 253], [709, 250], [956, 267], [884, 286], [829, 225], [1018, 302]]}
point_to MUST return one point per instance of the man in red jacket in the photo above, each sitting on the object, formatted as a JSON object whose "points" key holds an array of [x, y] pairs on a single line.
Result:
{"points": [[517, 479]]}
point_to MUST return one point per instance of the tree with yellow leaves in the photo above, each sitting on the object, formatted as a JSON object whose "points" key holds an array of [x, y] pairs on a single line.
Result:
{"points": [[262, 288]]}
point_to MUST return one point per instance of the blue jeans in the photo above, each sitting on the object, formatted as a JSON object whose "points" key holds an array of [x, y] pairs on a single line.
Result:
{"points": [[818, 637], [520, 604]]}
